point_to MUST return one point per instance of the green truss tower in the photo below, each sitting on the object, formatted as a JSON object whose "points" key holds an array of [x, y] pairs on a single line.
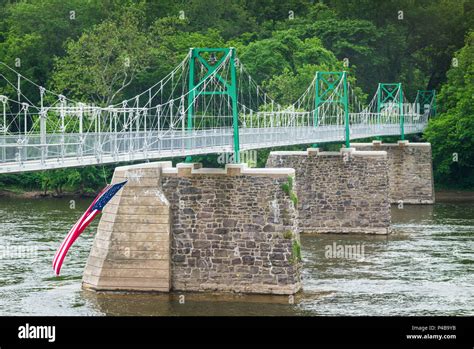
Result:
{"points": [[195, 86], [326, 91], [391, 93]]}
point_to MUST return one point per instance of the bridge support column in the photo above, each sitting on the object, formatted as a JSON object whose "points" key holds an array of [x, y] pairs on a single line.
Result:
{"points": [[131, 251], [410, 170], [195, 229], [339, 192]]}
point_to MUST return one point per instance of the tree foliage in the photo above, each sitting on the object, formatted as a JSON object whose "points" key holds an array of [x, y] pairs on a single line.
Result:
{"points": [[103, 62], [105, 51], [452, 133]]}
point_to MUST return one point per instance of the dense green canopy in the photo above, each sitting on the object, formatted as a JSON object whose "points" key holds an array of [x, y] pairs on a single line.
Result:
{"points": [[78, 48], [452, 132]]}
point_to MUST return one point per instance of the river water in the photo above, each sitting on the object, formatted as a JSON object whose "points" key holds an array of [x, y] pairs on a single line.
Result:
{"points": [[425, 267]]}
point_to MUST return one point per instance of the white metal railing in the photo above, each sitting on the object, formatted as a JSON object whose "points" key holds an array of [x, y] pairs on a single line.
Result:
{"points": [[19, 154]]}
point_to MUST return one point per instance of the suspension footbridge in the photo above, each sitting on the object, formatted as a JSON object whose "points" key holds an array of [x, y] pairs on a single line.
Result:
{"points": [[208, 104]]}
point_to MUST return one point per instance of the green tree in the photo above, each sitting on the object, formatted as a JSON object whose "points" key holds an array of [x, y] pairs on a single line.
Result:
{"points": [[276, 10], [452, 132], [170, 43], [353, 40], [229, 17], [103, 62], [35, 31], [270, 57], [416, 39], [285, 65]]}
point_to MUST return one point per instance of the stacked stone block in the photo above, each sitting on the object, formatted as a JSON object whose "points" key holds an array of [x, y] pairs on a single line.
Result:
{"points": [[339, 192], [233, 229], [410, 170]]}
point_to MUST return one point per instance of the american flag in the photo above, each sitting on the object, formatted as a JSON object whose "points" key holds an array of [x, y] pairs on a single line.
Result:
{"points": [[94, 209]]}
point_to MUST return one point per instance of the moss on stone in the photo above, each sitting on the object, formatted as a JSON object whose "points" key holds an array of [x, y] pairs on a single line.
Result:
{"points": [[288, 189], [296, 252]]}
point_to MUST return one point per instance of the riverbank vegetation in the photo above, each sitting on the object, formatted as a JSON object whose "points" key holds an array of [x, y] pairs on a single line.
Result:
{"points": [[78, 48]]}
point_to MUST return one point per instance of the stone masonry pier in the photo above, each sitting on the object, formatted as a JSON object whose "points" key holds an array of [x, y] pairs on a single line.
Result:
{"points": [[339, 192], [195, 229], [131, 250], [410, 171]]}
